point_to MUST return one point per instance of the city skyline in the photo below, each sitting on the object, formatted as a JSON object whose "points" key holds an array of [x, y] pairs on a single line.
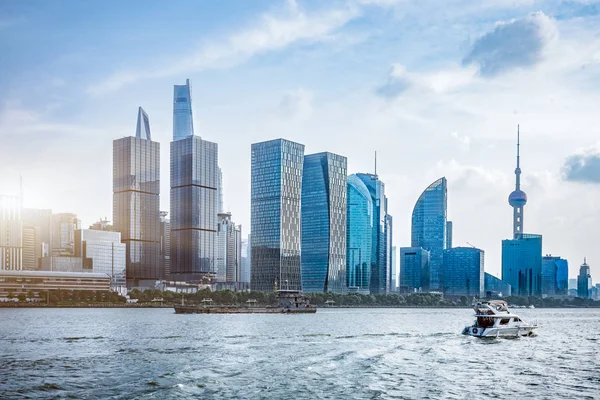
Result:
{"points": [[473, 152]]}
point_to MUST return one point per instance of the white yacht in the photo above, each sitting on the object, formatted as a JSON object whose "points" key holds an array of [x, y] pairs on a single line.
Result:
{"points": [[494, 320]]}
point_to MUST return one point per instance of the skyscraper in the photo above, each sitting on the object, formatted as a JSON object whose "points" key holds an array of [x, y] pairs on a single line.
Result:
{"points": [[103, 252], [395, 277], [584, 281], [521, 255], [41, 222], [555, 275], [136, 212], [429, 229], [228, 258], [449, 229], [496, 287], [11, 233], [464, 272], [64, 226], [414, 269], [276, 189], [324, 223], [381, 244], [246, 259], [359, 235], [165, 243], [183, 123], [194, 197]]}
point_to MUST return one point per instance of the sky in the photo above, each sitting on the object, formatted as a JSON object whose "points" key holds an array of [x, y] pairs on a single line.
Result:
{"points": [[436, 88]]}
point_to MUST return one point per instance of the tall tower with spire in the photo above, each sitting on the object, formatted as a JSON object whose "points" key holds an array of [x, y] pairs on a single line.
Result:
{"points": [[517, 199]]}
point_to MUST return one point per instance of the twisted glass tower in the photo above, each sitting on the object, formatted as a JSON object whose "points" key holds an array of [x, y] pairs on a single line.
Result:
{"points": [[429, 229], [183, 124], [194, 195], [324, 223]]}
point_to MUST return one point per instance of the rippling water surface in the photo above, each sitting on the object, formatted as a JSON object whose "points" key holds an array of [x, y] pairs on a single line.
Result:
{"points": [[336, 353]]}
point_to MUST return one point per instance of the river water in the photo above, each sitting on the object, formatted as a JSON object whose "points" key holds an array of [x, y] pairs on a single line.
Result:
{"points": [[336, 353]]}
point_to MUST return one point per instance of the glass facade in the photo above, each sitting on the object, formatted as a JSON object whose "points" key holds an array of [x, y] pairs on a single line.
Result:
{"points": [[414, 269], [41, 221], [584, 281], [381, 244], [136, 212], [496, 287], [165, 243], [429, 229], [463, 272], [522, 264], [555, 275], [64, 226], [276, 188], [395, 277], [183, 124], [229, 247], [103, 252], [359, 235], [11, 233], [194, 181], [323, 210]]}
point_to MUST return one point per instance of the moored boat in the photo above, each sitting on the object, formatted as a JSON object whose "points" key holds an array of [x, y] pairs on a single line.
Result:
{"points": [[493, 319]]}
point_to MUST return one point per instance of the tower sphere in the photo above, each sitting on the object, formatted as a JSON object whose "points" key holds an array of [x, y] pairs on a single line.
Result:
{"points": [[518, 198]]}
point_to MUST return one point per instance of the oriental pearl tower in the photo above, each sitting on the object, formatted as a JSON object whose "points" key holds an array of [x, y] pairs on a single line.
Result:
{"points": [[517, 199]]}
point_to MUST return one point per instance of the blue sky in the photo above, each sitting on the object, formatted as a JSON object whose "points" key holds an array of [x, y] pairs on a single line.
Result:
{"points": [[437, 88]]}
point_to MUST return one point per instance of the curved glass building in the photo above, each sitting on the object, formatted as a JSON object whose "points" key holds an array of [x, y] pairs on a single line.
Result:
{"points": [[323, 256], [429, 229], [359, 235]]}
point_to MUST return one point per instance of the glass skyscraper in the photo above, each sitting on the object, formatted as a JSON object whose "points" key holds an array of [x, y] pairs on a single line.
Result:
{"points": [[463, 272], [194, 180], [429, 229], [323, 219], [555, 276], [522, 264], [496, 287], [359, 235], [276, 189], [414, 269], [183, 124], [195, 177], [381, 243], [136, 213], [584, 281]]}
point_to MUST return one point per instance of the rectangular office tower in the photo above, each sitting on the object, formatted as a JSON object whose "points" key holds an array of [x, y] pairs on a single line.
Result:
{"points": [[136, 213], [414, 269], [463, 272], [276, 190], [323, 210], [194, 180], [11, 233], [522, 264]]}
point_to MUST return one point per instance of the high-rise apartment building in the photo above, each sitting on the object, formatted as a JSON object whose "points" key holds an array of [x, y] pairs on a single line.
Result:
{"points": [[276, 189], [11, 233], [136, 196], [40, 221], [194, 195], [464, 272], [414, 269], [229, 248], [381, 244], [323, 211], [521, 255], [359, 235], [429, 226]]}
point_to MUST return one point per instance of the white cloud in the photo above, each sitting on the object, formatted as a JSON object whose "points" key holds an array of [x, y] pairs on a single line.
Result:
{"points": [[274, 32]]}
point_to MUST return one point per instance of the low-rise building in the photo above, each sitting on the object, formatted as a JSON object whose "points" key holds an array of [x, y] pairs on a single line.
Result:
{"points": [[17, 282]]}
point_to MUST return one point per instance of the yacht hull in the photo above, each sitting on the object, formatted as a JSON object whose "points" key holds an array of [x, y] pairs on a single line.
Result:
{"points": [[499, 332]]}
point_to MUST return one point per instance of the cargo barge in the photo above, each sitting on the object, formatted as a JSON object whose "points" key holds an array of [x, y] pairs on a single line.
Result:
{"points": [[288, 302]]}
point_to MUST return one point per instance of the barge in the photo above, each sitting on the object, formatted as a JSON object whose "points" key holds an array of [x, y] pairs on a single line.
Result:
{"points": [[288, 302]]}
